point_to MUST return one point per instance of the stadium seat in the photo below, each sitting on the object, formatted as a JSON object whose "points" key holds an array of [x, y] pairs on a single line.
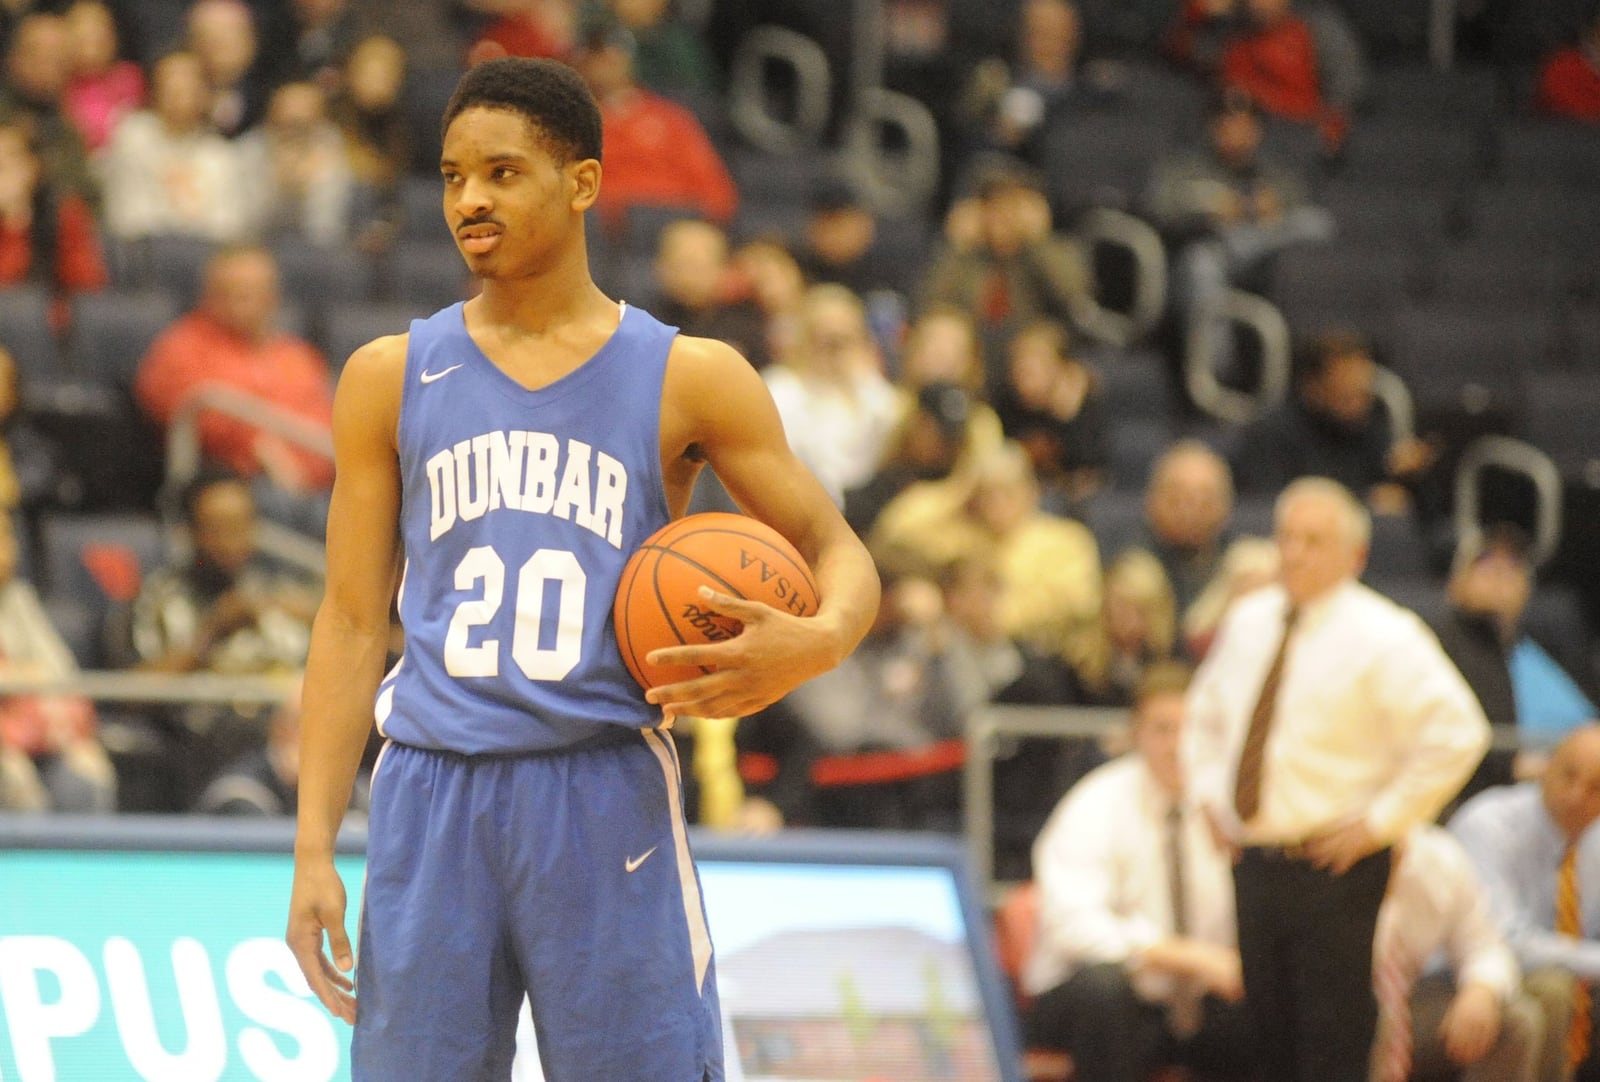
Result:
{"points": [[1540, 216], [95, 560], [1496, 274], [1421, 92], [1545, 151], [346, 327], [1136, 386], [1116, 518], [1135, 445], [1343, 285], [1421, 152], [1398, 549], [78, 420], [428, 273], [112, 331], [1395, 215], [26, 332], [315, 277], [1559, 417], [422, 208], [1467, 343], [1101, 158], [176, 265]]}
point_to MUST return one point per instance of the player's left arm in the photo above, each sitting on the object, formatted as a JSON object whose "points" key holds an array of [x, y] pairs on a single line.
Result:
{"points": [[716, 407]]}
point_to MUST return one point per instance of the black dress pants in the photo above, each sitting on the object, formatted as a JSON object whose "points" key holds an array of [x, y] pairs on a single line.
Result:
{"points": [[1305, 943]]}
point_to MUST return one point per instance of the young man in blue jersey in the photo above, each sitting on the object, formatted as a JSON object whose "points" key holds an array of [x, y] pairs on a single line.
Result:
{"points": [[498, 464]]}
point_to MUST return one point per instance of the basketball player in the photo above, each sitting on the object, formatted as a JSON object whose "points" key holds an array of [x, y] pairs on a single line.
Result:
{"points": [[500, 462]]}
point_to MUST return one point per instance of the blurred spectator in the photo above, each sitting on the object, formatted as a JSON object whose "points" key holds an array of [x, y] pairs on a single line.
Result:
{"points": [[1539, 860], [1231, 208], [50, 756], [1187, 508], [230, 341], [1049, 565], [1333, 426], [324, 35], [1138, 628], [167, 172], [1516, 680], [656, 152], [1467, 1013], [777, 289], [527, 28], [226, 608], [1248, 564], [38, 68], [1010, 106], [1569, 84], [942, 346], [891, 699], [377, 136], [669, 56], [697, 294], [26, 458], [837, 406], [1303, 65], [222, 35], [1052, 405], [47, 235], [927, 444], [1136, 963], [264, 781], [841, 243], [298, 170], [1001, 261], [104, 88]]}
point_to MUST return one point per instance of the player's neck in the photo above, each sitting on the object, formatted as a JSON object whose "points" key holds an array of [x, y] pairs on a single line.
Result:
{"points": [[543, 302]]}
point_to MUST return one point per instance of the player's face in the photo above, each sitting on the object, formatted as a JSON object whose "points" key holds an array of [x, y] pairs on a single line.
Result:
{"points": [[510, 203]]}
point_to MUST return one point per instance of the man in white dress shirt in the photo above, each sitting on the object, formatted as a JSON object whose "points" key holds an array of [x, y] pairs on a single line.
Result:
{"points": [[1325, 723], [1135, 965], [1467, 1015]]}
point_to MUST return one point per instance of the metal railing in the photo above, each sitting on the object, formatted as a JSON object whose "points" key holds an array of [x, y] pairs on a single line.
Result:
{"points": [[1200, 359], [1514, 456], [184, 457]]}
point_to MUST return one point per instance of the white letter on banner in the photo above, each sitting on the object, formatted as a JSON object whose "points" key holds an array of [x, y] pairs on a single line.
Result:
{"points": [[293, 1012], [32, 1021], [207, 1053]]}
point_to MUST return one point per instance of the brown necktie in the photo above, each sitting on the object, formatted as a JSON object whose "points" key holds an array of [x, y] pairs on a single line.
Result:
{"points": [[1247, 787]]}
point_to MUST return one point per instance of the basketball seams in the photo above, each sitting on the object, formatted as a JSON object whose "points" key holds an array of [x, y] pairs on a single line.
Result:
{"points": [[796, 564], [744, 547]]}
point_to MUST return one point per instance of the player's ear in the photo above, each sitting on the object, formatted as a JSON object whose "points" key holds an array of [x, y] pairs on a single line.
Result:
{"points": [[584, 176]]}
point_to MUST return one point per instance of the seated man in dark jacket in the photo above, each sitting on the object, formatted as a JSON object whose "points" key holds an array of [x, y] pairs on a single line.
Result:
{"points": [[1516, 680]]}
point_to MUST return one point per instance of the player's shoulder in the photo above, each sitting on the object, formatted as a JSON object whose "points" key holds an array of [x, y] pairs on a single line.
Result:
{"points": [[693, 352], [382, 358]]}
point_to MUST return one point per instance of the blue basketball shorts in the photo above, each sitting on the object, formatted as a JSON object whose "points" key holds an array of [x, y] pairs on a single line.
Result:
{"points": [[564, 876]]}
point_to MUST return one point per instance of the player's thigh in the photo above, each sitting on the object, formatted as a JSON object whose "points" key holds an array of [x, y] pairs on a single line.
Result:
{"points": [[612, 935], [438, 985]]}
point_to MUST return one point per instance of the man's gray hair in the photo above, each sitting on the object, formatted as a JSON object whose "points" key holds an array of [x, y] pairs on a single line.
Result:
{"points": [[1358, 520]]}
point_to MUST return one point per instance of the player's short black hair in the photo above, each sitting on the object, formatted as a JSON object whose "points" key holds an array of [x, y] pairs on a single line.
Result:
{"points": [[549, 94]]}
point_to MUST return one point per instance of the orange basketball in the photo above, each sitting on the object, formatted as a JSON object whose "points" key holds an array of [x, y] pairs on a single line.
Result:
{"points": [[658, 601]]}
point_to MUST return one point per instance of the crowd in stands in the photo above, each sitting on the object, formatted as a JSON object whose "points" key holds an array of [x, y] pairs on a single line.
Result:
{"points": [[223, 198]]}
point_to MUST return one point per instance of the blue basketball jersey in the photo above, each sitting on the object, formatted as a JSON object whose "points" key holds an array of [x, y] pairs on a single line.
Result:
{"points": [[519, 509]]}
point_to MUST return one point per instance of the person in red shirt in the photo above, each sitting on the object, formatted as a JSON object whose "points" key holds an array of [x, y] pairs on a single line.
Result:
{"points": [[1293, 67], [45, 236], [1569, 85], [231, 341], [656, 152]]}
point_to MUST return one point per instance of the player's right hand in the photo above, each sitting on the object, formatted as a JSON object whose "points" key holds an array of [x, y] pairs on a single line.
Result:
{"points": [[316, 906]]}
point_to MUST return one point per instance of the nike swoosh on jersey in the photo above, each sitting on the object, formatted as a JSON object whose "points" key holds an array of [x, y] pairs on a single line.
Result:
{"points": [[429, 377], [632, 863]]}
